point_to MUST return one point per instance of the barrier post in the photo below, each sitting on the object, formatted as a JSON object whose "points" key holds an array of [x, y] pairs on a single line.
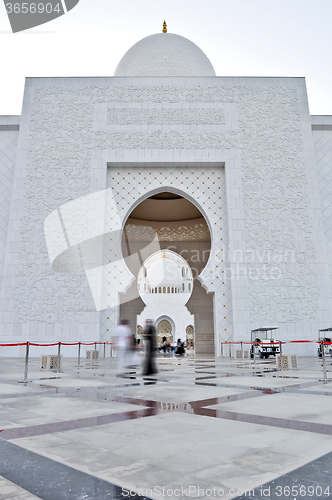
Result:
{"points": [[95, 346], [242, 349], [79, 355], [26, 362], [230, 350], [104, 350], [281, 358], [25, 380], [323, 358], [59, 348], [221, 350]]}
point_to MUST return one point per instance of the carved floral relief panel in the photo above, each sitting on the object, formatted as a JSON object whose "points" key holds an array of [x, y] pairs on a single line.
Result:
{"points": [[63, 141]]}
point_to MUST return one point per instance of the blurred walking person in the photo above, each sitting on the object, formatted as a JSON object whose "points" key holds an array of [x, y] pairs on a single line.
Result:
{"points": [[122, 339], [149, 367]]}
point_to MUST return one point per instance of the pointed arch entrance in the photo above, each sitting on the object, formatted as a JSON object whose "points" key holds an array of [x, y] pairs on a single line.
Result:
{"points": [[171, 222], [165, 328], [201, 184]]}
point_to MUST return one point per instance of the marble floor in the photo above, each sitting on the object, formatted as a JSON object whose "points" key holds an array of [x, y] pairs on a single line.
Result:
{"points": [[202, 428]]}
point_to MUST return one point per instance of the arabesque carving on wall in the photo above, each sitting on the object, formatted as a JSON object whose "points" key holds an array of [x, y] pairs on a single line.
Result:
{"points": [[59, 169]]}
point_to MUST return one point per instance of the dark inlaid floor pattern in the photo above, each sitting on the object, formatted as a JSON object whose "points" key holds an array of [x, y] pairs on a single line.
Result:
{"points": [[312, 481], [51, 480], [155, 407]]}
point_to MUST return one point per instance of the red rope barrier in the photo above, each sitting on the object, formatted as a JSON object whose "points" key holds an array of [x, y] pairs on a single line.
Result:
{"points": [[281, 342], [69, 343], [44, 345], [224, 343], [10, 345], [53, 344], [299, 341]]}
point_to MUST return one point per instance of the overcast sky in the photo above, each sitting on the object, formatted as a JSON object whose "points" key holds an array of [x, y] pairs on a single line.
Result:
{"points": [[240, 37]]}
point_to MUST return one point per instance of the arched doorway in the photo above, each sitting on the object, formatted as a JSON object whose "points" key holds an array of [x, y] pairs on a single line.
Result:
{"points": [[165, 284], [139, 334], [164, 329], [167, 220], [190, 334]]}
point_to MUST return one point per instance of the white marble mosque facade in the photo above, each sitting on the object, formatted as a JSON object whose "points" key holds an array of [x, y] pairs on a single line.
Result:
{"points": [[244, 151]]}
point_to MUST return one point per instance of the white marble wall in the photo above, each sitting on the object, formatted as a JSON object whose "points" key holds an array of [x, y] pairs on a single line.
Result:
{"points": [[322, 136], [9, 127], [257, 130]]}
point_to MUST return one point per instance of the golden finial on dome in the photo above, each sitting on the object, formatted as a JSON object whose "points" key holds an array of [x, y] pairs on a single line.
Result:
{"points": [[164, 256], [164, 27]]}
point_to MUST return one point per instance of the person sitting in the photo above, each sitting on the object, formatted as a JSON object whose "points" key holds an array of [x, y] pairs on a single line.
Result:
{"points": [[180, 348], [164, 345], [190, 349]]}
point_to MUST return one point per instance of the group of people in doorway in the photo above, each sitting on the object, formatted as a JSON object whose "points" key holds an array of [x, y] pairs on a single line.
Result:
{"points": [[179, 349], [127, 348]]}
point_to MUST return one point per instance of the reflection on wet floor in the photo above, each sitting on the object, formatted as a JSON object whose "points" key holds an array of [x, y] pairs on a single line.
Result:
{"points": [[199, 401], [50, 378], [291, 388], [207, 373], [37, 430], [153, 407]]}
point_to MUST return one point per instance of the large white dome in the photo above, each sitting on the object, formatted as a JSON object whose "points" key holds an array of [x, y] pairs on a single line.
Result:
{"points": [[164, 54], [164, 272]]}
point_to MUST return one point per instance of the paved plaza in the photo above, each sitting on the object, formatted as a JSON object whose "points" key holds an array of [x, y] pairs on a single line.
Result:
{"points": [[203, 428]]}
